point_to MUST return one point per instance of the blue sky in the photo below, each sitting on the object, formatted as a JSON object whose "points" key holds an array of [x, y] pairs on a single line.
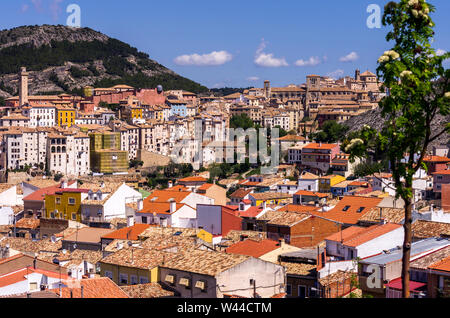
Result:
{"points": [[252, 40]]}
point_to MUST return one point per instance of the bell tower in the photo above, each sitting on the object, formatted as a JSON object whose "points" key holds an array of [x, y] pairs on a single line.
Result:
{"points": [[23, 88]]}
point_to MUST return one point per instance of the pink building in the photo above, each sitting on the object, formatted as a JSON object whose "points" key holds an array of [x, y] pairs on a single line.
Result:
{"points": [[319, 156], [440, 178]]}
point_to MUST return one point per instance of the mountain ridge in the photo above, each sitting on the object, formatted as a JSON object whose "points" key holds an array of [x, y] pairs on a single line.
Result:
{"points": [[65, 59]]}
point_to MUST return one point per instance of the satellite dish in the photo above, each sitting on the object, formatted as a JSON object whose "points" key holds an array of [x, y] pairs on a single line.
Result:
{"points": [[159, 88]]}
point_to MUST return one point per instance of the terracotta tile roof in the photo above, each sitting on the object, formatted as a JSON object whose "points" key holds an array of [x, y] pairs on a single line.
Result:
{"points": [[143, 258], [235, 236], [301, 269], [159, 207], [101, 287], [316, 146], [205, 186], [166, 195], [249, 213], [312, 194], [284, 218], [308, 176], [151, 290], [253, 248], [436, 256], [27, 223], [347, 210], [389, 215], [422, 229], [442, 265], [21, 275], [88, 234], [204, 262], [270, 195], [5, 186], [436, 159], [355, 236], [192, 179], [127, 233], [338, 276], [442, 172], [292, 138], [298, 208], [240, 193], [30, 247], [39, 195]]}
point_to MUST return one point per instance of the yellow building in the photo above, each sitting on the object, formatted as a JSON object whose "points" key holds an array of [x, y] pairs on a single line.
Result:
{"points": [[137, 112], [129, 266], [326, 182], [106, 156], [65, 117], [65, 204]]}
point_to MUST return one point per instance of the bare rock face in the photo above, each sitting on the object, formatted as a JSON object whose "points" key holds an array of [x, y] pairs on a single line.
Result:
{"points": [[375, 120]]}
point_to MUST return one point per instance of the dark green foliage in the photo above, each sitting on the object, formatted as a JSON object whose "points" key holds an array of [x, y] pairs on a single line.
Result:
{"points": [[331, 132], [79, 73], [2, 101], [227, 91], [58, 177], [168, 81], [241, 121]]}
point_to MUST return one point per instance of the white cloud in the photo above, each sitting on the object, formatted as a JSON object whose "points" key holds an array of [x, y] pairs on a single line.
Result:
{"points": [[312, 61], [267, 59], [211, 59], [253, 78], [37, 4], [24, 8], [351, 57], [336, 74], [55, 9]]}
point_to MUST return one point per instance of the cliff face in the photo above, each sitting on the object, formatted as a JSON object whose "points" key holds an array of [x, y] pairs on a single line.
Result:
{"points": [[65, 59], [374, 119]]}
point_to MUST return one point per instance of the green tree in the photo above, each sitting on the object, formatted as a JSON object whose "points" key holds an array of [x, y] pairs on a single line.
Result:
{"points": [[331, 132], [241, 121], [418, 88]]}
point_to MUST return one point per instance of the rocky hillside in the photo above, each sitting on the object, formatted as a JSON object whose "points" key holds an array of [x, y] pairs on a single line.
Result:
{"points": [[374, 119], [64, 59]]}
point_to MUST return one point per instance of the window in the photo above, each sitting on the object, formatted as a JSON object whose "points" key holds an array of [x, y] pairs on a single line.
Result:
{"points": [[109, 274], [74, 216], [143, 280], [346, 208], [360, 209], [33, 286], [289, 289], [144, 219], [133, 279], [170, 279], [301, 291], [123, 279], [72, 201], [185, 282], [58, 200]]}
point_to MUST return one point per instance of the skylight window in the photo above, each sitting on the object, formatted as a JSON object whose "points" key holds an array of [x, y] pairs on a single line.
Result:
{"points": [[360, 209], [346, 208]]}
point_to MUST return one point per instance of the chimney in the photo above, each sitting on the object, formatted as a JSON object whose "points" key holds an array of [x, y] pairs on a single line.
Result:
{"points": [[264, 205], [130, 221], [173, 205], [170, 184]]}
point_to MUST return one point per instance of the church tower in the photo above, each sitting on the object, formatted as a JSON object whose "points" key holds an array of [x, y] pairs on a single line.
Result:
{"points": [[23, 88]]}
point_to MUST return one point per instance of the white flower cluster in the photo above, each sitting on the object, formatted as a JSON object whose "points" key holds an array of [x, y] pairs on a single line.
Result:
{"points": [[353, 144], [405, 74], [388, 55], [447, 95], [366, 127], [420, 13]]}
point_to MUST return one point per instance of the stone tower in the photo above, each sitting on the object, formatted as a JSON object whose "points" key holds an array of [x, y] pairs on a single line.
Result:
{"points": [[267, 89], [23, 88], [357, 75]]}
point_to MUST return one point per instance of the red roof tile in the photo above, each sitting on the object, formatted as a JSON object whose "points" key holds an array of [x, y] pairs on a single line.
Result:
{"points": [[253, 248], [397, 284], [347, 210], [127, 233], [355, 236]]}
